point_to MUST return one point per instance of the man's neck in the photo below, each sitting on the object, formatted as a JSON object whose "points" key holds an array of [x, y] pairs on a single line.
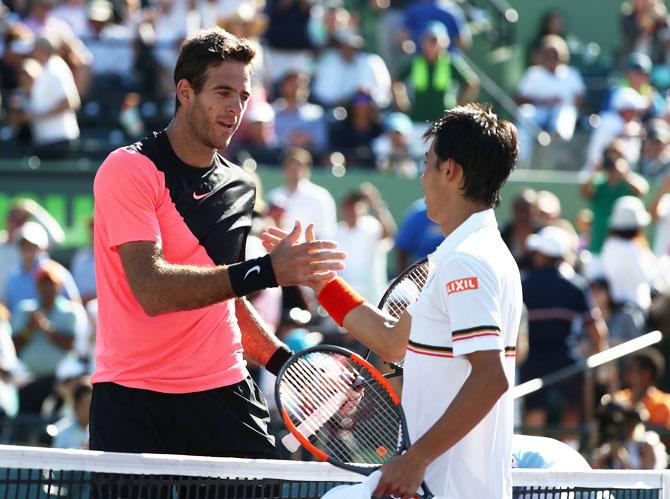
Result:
{"points": [[187, 147], [459, 214]]}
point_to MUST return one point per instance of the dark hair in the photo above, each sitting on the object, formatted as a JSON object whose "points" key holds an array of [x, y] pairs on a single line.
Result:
{"points": [[650, 360], [483, 145], [353, 197], [625, 233], [208, 48]]}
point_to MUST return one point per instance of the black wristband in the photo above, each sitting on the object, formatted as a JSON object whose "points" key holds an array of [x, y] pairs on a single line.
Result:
{"points": [[252, 275], [278, 359]]}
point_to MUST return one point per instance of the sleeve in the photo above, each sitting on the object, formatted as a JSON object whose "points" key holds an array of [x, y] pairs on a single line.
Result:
{"points": [[127, 192], [524, 88], [471, 295], [68, 326]]}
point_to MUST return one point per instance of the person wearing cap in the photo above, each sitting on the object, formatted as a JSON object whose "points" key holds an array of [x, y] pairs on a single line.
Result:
{"points": [[557, 300], [637, 75], [549, 95], [33, 242], [655, 154], [395, 151], [354, 136], [72, 431], [631, 282], [611, 179], [299, 123], [431, 81], [418, 14], [44, 331], [347, 69], [624, 122], [259, 141], [21, 211]]}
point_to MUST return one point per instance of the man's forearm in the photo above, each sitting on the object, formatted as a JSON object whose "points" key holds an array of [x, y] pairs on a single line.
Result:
{"points": [[473, 402], [258, 342]]}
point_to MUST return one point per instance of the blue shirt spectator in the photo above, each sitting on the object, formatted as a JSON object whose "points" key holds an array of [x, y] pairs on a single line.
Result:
{"points": [[419, 14], [417, 235]]}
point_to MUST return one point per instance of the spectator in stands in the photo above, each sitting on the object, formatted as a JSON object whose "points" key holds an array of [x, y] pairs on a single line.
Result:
{"points": [[633, 282], [73, 12], [659, 209], [655, 154], [20, 284], [395, 151], [19, 102], [301, 199], [637, 76], [9, 401], [624, 123], [624, 441], [245, 22], [552, 23], [20, 212], [548, 209], [417, 237], [111, 45], [83, 268], [557, 300], [642, 26], [523, 224], [624, 320], [299, 123], [73, 430], [365, 235], [54, 100], [347, 69], [354, 135], [611, 179], [259, 141], [44, 333], [421, 13], [430, 81], [642, 370], [550, 95], [288, 45], [390, 34]]}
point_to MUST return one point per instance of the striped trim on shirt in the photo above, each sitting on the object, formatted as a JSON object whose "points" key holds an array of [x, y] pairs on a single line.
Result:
{"points": [[475, 332], [445, 352]]}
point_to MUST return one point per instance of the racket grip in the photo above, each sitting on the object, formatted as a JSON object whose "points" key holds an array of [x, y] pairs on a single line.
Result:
{"points": [[290, 442]]}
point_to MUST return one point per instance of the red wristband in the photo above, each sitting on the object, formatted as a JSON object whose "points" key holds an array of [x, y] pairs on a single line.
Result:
{"points": [[338, 298]]}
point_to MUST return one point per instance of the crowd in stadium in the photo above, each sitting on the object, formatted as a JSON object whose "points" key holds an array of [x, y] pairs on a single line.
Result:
{"points": [[80, 77]]}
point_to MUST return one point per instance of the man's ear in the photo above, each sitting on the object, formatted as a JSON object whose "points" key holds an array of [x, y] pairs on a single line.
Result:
{"points": [[185, 92], [452, 171]]}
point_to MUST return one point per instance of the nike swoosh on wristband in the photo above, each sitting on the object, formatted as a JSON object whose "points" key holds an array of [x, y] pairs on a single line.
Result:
{"points": [[255, 268], [202, 196]]}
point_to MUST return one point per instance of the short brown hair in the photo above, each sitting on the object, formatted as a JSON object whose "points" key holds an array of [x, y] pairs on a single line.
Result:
{"points": [[208, 48]]}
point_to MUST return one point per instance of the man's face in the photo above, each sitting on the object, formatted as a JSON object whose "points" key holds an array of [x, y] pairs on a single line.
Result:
{"points": [[29, 252], [214, 113], [430, 181], [47, 289], [294, 170]]}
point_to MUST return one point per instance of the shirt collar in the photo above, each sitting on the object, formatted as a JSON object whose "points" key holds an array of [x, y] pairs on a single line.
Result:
{"points": [[475, 222]]}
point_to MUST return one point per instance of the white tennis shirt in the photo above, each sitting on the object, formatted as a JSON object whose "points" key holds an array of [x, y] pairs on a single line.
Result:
{"points": [[472, 301]]}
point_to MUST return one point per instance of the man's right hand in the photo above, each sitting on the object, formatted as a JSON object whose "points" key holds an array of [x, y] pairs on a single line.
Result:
{"points": [[305, 262]]}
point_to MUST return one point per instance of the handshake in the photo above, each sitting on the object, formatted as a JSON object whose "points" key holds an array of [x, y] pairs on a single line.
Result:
{"points": [[301, 259]]}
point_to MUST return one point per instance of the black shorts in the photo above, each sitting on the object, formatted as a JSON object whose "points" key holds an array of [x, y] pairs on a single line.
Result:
{"points": [[231, 421]]}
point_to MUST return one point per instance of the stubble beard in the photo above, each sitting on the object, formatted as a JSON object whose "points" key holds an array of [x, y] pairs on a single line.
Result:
{"points": [[199, 127]]}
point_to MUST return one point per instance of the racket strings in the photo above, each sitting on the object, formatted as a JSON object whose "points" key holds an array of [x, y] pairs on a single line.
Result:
{"points": [[360, 425], [332, 403], [404, 292]]}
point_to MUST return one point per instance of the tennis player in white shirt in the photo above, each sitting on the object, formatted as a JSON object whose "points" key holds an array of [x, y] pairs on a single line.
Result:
{"points": [[459, 338]]}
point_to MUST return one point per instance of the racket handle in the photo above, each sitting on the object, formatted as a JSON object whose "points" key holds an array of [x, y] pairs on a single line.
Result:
{"points": [[315, 421], [290, 442]]}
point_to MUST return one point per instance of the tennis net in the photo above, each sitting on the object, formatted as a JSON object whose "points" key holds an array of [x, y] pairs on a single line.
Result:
{"points": [[35, 473]]}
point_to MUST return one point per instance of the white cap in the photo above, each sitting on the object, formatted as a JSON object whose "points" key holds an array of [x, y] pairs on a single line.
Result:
{"points": [[34, 233], [261, 112], [628, 99], [629, 213], [551, 241], [69, 367]]}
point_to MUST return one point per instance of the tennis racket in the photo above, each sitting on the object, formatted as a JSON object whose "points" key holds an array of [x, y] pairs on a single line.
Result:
{"points": [[403, 291], [342, 409]]}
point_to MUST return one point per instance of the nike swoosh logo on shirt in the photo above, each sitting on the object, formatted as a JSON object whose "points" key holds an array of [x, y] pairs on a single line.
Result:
{"points": [[202, 196], [255, 268]]}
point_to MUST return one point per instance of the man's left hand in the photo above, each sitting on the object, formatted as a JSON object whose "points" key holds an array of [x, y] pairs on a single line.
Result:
{"points": [[401, 477]]}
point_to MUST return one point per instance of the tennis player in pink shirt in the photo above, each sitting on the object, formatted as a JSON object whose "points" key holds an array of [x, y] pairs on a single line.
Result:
{"points": [[171, 221]]}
